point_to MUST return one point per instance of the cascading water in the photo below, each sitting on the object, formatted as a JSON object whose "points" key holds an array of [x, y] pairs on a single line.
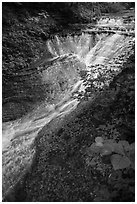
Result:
{"points": [[71, 54]]}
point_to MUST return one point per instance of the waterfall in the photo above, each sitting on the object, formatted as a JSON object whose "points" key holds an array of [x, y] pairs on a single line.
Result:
{"points": [[87, 48], [75, 45], [72, 54]]}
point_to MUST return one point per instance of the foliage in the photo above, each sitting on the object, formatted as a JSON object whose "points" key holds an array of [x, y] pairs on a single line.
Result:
{"points": [[120, 187], [121, 153], [117, 150]]}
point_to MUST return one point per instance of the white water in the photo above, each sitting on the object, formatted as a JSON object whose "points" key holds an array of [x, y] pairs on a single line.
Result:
{"points": [[18, 136], [110, 22]]}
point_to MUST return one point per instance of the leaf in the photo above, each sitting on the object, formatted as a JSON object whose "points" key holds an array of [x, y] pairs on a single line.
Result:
{"points": [[133, 165], [125, 144], [94, 148], [99, 141], [131, 156], [132, 146], [92, 162], [110, 141], [119, 161], [106, 149], [118, 148]]}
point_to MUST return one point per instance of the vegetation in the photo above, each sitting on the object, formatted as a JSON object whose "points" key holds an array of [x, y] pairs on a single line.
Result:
{"points": [[123, 156]]}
